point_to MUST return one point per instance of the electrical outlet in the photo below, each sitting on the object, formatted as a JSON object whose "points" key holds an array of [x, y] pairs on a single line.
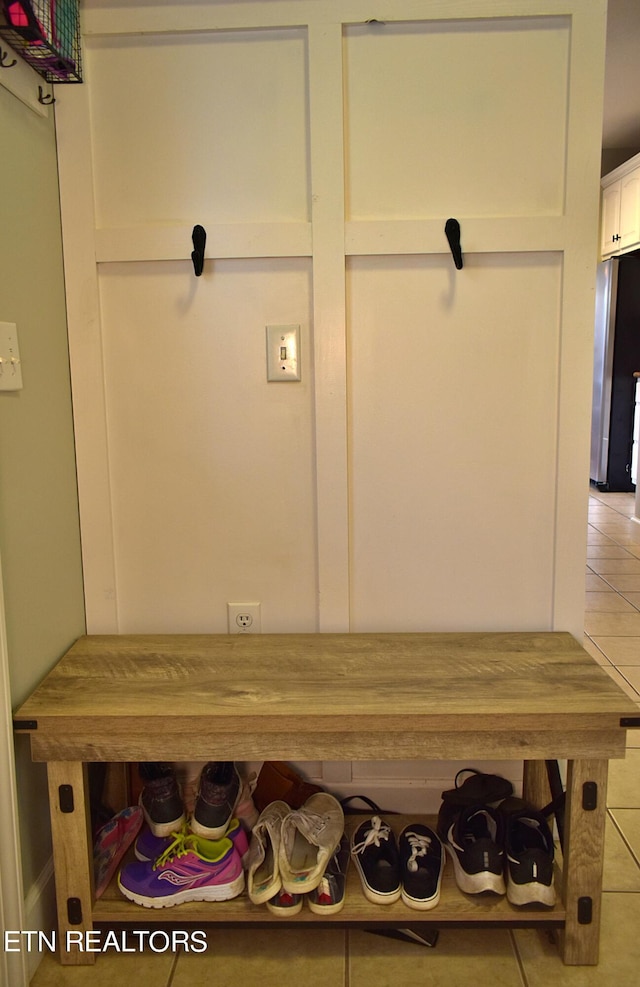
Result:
{"points": [[244, 618]]}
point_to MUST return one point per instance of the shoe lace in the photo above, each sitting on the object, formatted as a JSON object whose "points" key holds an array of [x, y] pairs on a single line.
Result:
{"points": [[378, 831], [419, 844], [182, 843], [310, 822]]}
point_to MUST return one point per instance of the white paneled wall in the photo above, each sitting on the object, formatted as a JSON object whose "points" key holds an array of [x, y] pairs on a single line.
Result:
{"points": [[209, 125], [429, 472], [454, 435], [456, 115], [212, 468]]}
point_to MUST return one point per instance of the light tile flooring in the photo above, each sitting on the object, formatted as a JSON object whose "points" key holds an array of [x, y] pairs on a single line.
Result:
{"points": [[504, 958]]}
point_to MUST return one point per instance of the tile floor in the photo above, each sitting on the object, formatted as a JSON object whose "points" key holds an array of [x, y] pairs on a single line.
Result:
{"points": [[503, 958]]}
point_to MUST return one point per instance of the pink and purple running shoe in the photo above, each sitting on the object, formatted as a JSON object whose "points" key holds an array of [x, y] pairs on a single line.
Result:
{"points": [[190, 869]]}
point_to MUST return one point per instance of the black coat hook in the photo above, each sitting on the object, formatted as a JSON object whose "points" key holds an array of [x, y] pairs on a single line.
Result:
{"points": [[4, 55], [45, 98], [199, 237], [452, 230]]}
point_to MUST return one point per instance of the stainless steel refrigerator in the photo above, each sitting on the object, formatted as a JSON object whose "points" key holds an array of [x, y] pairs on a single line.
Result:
{"points": [[616, 358]]}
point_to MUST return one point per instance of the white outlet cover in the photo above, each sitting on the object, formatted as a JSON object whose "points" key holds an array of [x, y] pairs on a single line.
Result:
{"points": [[244, 618]]}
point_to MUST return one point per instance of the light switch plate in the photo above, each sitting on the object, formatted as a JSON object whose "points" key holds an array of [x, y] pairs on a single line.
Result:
{"points": [[10, 367], [283, 353]]}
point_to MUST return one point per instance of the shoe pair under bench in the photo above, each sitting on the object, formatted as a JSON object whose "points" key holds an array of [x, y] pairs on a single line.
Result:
{"points": [[297, 855], [497, 842]]}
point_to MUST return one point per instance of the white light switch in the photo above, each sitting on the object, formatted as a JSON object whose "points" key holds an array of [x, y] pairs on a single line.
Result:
{"points": [[10, 369], [283, 352]]}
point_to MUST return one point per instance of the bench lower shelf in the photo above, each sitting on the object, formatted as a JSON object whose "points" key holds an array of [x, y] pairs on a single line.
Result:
{"points": [[453, 908]]}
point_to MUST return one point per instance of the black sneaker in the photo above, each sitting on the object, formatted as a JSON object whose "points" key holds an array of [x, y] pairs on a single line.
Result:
{"points": [[421, 866], [375, 854], [475, 842], [477, 789], [218, 792], [328, 897], [160, 798], [530, 851]]}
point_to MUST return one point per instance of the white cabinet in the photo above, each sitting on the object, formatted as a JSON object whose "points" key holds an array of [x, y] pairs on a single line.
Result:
{"points": [[610, 219], [620, 212]]}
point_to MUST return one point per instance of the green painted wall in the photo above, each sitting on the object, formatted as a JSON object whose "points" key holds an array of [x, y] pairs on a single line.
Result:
{"points": [[39, 528]]}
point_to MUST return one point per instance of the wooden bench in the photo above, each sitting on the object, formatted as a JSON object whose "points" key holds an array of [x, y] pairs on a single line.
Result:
{"points": [[531, 697]]}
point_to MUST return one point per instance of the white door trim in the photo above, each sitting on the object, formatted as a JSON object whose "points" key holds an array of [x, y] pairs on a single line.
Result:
{"points": [[13, 967]]}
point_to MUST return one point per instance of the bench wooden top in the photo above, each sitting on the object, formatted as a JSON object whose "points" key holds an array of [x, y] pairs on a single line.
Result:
{"points": [[110, 692]]}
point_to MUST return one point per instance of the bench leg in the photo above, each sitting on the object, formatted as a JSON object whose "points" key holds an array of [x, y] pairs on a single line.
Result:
{"points": [[72, 858], [535, 784], [583, 860]]}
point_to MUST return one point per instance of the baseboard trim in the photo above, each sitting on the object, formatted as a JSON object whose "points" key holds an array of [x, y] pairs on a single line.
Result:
{"points": [[40, 911]]}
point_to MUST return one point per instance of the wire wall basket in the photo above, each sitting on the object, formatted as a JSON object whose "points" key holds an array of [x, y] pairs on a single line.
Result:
{"points": [[46, 34]]}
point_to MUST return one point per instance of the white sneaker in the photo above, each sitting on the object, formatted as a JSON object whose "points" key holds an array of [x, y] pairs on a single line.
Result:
{"points": [[263, 873], [309, 839]]}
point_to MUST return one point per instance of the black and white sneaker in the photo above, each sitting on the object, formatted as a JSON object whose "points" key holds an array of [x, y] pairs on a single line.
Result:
{"points": [[472, 787], [421, 865], [375, 854], [475, 842], [530, 851]]}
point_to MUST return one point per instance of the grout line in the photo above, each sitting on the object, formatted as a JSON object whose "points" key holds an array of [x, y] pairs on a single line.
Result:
{"points": [[174, 966], [598, 648], [347, 958], [623, 837], [518, 958], [636, 695]]}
